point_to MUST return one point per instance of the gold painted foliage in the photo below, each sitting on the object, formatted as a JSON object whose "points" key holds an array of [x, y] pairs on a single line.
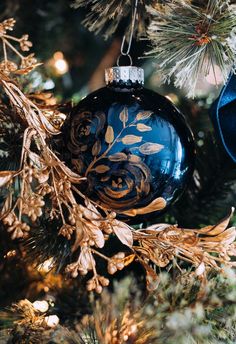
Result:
{"points": [[134, 177]]}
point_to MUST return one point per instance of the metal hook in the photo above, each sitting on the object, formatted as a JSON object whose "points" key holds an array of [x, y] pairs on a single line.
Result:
{"points": [[126, 53]]}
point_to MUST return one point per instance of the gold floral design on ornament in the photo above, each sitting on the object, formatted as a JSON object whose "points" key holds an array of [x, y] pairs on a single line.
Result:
{"points": [[133, 168]]}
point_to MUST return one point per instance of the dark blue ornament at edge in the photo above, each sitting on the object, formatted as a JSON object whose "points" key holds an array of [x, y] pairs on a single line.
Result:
{"points": [[223, 115], [133, 146]]}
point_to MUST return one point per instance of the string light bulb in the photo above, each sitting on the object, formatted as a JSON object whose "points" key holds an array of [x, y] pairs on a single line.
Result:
{"points": [[41, 306], [52, 321], [59, 63]]}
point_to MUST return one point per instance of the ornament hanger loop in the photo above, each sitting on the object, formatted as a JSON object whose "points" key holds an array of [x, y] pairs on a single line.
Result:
{"points": [[122, 49], [122, 55]]}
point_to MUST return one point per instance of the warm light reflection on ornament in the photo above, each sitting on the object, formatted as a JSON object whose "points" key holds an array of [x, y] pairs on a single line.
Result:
{"points": [[215, 76], [173, 98], [60, 64]]}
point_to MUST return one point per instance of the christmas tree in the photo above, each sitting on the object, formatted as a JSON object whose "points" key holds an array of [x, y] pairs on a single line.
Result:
{"points": [[117, 224]]}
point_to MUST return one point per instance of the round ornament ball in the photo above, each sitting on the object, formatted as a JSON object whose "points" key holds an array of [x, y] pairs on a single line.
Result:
{"points": [[132, 145]]}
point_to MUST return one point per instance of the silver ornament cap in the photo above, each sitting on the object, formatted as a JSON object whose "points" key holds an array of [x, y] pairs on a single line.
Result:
{"points": [[124, 74]]}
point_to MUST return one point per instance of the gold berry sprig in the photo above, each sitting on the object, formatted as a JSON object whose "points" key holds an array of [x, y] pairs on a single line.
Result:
{"points": [[25, 64]]}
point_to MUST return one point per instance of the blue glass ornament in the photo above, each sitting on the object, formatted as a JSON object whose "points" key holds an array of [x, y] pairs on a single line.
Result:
{"points": [[223, 116], [133, 146]]}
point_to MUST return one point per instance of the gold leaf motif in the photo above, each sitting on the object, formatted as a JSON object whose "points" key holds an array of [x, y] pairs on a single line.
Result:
{"points": [[6, 176], [83, 148], [158, 204], [102, 168], [143, 115], [143, 127], [109, 136], [124, 116], [131, 139], [150, 148], [134, 158], [118, 157], [123, 233], [96, 148]]}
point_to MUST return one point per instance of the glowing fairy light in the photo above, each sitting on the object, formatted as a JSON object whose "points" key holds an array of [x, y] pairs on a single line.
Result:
{"points": [[52, 320], [41, 306], [59, 63]]}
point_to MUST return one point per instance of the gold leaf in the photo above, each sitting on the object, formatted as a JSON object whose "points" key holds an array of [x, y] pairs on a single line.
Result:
{"points": [[150, 148], [143, 127], [109, 136], [98, 237], [131, 139], [6, 176], [86, 260], [79, 235], [73, 177], [129, 259], [90, 212], [36, 160], [228, 235], [28, 69], [102, 168], [200, 269], [124, 116], [158, 204], [43, 176], [152, 279], [96, 148], [219, 228], [118, 157], [123, 233], [143, 115], [7, 204], [47, 125]]}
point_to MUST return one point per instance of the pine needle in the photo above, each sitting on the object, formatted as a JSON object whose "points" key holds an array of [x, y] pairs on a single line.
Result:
{"points": [[188, 41]]}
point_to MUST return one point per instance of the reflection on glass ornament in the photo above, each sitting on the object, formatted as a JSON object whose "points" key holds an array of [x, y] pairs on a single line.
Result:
{"points": [[132, 144]]}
